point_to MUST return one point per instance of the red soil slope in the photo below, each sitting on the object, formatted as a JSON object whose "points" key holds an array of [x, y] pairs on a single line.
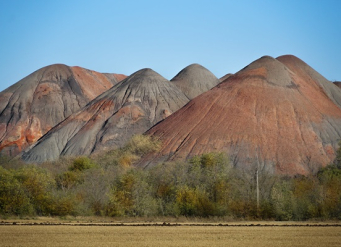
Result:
{"points": [[276, 114]]}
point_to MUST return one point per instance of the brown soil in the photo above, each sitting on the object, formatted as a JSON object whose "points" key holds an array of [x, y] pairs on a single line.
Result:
{"points": [[271, 115]]}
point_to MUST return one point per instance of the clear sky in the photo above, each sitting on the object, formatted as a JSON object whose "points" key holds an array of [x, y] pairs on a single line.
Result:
{"points": [[124, 36]]}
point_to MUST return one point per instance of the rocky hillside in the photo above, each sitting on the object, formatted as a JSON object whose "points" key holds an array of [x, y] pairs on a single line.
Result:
{"points": [[32, 106], [277, 115], [130, 107]]}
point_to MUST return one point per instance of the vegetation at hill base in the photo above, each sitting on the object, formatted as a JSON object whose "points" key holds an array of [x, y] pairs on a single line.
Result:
{"points": [[204, 186]]}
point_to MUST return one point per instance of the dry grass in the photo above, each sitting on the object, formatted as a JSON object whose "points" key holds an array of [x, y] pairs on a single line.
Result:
{"points": [[23, 235]]}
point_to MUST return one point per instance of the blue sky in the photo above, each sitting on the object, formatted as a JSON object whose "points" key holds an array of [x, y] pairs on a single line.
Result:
{"points": [[125, 36]]}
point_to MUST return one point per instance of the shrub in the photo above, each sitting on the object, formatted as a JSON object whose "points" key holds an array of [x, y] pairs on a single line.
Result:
{"points": [[193, 201], [121, 197], [81, 163], [64, 203], [330, 201], [13, 199], [38, 185], [142, 144], [211, 160], [282, 200], [68, 180], [127, 159]]}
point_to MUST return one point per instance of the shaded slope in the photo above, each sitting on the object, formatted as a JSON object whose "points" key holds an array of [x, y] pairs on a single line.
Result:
{"points": [[308, 74], [32, 106], [265, 115], [130, 107], [195, 80], [225, 77], [115, 77]]}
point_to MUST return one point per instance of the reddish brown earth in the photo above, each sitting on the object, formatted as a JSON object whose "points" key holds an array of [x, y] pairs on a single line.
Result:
{"points": [[32, 106], [130, 107], [276, 114]]}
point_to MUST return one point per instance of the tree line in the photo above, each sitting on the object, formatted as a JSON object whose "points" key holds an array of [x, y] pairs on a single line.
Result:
{"points": [[204, 186]]}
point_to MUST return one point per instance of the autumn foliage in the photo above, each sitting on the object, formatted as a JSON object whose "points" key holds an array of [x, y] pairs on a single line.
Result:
{"points": [[204, 186]]}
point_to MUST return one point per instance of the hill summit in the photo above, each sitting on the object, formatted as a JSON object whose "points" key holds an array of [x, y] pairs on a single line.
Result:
{"points": [[195, 80]]}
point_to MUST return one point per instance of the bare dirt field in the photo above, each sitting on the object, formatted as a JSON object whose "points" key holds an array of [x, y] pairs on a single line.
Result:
{"points": [[165, 234]]}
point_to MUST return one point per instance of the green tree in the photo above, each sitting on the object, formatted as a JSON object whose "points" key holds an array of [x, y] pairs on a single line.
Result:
{"points": [[193, 202], [81, 163], [306, 198], [69, 179], [142, 144], [95, 190], [330, 182], [13, 199], [121, 197], [283, 200], [38, 185], [64, 203]]}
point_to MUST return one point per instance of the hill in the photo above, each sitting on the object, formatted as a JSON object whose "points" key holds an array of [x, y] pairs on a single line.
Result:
{"points": [[32, 106], [275, 114], [195, 80], [130, 107]]}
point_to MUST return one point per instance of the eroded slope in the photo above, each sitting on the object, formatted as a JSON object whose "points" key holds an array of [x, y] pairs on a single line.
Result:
{"points": [[130, 107], [269, 115], [32, 106]]}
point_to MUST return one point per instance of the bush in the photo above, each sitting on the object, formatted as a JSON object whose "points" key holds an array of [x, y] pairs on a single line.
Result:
{"points": [[127, 159], [204, 186], [121, 197], [130, 153], [193, 202], [64, 203], [81, 163], [38, 185], [142, 144], [282, 200], [68, 180], [13, 199], [211, 160], [330, 201]]}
